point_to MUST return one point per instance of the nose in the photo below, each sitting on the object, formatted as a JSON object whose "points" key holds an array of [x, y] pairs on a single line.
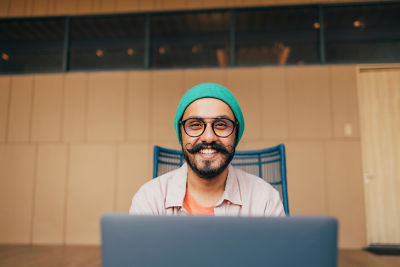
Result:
{"points": [[208, 136]]}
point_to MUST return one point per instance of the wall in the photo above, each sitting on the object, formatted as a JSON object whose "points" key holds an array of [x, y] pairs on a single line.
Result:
{"points": [[76, 145], [17, 8]]}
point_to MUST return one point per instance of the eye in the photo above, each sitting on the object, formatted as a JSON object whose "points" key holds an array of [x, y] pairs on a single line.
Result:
{"points": [[194, 124], [221, 124]]}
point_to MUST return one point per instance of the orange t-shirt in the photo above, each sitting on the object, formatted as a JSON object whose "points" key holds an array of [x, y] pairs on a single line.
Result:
{"points": [[193, 208]]}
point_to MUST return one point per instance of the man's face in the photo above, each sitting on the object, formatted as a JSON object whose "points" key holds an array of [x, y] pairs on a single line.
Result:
{"points": [[208, 155]]}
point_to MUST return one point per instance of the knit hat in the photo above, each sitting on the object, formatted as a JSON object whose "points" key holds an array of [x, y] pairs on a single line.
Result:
{"points": [[212, 90]]}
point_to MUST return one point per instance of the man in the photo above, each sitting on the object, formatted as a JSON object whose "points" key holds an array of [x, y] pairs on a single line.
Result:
{"points": [[209, 124]]}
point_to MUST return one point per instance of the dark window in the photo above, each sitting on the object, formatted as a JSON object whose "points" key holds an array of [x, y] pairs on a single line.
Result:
{"points": [[362, 33], [277, 36], [107, 42], [190, 39], [31, 45], [286, 35]]}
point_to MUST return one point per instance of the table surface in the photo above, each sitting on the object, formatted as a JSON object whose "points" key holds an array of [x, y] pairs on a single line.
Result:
{"points": [[90, 256]]}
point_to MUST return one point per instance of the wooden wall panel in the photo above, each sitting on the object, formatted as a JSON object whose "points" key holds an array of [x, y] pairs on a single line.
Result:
{"points": [[91, 191], [194, 4], [173, 144], [47, 108], [244, 83], [274, 117], [215, 3], [127, 5], [306, 177], [17, 171], [308, 102], [74, 7], [29, 7], [147, 5], [17, 8], [344, 101], [4, 8], [96, 6], [106, 6], [40, 7], [286, 2], [4, 102], [158, 4], [167, 90], [84, 7], [173, 4], [51, 7], [139, 106], [62, 7], [234, 3], [19, 121], [193, 77], [106, 108], [75, 108], [344, 191], [251, 3], [50, 187], [134, 169], [261, 144]]}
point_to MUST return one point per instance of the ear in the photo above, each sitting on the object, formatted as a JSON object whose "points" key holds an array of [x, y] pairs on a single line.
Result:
{"points": [[180, 134], [236, 137]]}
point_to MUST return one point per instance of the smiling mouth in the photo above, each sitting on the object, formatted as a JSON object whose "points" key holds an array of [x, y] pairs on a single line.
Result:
{"points": [[208, 151]]}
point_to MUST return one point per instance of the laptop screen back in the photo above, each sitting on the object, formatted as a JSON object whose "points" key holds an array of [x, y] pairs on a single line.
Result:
{"points": [[218, 241]]}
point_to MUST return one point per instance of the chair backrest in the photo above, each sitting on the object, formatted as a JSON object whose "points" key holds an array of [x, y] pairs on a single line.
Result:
{"points": [[268, 163]]}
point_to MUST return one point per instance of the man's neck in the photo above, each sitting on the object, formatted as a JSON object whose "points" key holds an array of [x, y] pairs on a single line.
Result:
{"points": [[206, 192]]}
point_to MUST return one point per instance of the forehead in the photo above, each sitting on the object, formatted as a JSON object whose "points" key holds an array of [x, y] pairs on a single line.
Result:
{"points": [[208, 108]]}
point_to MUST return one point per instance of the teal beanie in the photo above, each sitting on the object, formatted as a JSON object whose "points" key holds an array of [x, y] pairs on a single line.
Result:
{"points": [[213, 90]]}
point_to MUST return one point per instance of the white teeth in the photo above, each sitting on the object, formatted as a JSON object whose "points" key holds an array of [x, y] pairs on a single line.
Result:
{"points": [[207, 151]]}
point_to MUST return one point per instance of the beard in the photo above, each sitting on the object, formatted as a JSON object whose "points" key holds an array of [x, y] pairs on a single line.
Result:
{"points": [[207, 171]]}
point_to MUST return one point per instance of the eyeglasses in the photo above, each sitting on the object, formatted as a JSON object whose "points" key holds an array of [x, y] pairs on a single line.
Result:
{"points": [[195, 127]]}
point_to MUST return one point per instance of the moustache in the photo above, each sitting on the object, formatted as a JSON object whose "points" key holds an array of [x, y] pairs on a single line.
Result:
{"points": [[217, 147]]}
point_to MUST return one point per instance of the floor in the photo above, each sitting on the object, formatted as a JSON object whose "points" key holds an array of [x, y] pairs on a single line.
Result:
{"points": [[89, 256]]}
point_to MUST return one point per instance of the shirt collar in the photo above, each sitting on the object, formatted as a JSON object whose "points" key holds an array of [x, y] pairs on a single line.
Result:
{"points": [[177, 190]]}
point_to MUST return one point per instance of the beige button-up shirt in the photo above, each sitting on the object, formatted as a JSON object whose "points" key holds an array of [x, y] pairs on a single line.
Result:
{"points": [[244, 195]]}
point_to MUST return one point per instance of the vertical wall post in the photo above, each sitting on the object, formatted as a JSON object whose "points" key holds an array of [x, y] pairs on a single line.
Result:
{"points": [[147, 43], [232, 37], [321, 35], [65, 60]]}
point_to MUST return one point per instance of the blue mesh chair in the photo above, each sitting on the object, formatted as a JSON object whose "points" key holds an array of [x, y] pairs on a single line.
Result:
{"points": [[269, 164]]}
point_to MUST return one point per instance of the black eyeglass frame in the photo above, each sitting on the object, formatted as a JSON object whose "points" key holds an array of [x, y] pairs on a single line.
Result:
{"points": [[235, 124]]}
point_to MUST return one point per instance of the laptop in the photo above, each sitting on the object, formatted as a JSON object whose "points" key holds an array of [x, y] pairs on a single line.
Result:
{"points": [[179, 241]]}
